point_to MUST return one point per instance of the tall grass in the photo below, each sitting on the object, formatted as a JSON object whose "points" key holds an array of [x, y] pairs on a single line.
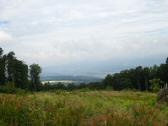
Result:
{"points": [[91, 108]]}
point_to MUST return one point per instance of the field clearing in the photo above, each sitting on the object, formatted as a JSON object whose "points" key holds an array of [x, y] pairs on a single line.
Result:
{"points": [[82, 108]]}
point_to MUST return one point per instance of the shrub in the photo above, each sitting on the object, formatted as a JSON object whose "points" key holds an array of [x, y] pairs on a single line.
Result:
{"points": [[9, 88], [155, 84]]}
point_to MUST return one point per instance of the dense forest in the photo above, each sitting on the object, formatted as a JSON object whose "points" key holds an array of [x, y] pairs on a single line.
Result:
{"points": [[16, 73]]}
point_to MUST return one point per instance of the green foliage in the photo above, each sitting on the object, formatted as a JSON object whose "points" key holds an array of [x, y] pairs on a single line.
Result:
{"points": [[11, 90], [2, 67], [15, 71], [90, 108], [155, 84], [108, 80], [71, 87], [35, 71], [163, 72], [139, 78], [167, 61]]}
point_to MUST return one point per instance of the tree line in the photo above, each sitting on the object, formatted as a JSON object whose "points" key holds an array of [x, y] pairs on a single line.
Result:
{"points": [[16, 73], [139, 78]]}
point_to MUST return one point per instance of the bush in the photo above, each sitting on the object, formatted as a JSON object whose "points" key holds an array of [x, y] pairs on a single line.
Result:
{"points": [[155, 85], [9, 88]]}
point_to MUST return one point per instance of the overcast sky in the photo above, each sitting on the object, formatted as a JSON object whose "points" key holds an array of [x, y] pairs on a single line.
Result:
{"points": [[85, 36]]}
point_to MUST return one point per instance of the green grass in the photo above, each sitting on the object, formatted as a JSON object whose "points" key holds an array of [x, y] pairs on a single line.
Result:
{"points": [[79, 108]]}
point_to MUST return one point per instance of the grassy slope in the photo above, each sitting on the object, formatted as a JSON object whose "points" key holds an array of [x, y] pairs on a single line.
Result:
{"points": [[91, 108]]}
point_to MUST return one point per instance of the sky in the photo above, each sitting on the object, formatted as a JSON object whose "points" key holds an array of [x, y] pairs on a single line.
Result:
{"points": [[85, 37]]}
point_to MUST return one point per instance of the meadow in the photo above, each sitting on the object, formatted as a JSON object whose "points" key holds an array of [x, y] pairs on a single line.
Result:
{"points": [[82, 108]]}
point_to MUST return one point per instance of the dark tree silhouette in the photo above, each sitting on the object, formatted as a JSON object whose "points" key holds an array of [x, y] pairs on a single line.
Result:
{"points": [[35, 71]]}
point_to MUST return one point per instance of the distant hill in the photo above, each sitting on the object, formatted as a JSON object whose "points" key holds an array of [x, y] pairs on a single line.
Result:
{"points": [[75, 79]]}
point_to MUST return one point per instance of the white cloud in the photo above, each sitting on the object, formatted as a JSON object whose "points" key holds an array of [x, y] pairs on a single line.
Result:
{"points": [[5, 37], [57, 32]]}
